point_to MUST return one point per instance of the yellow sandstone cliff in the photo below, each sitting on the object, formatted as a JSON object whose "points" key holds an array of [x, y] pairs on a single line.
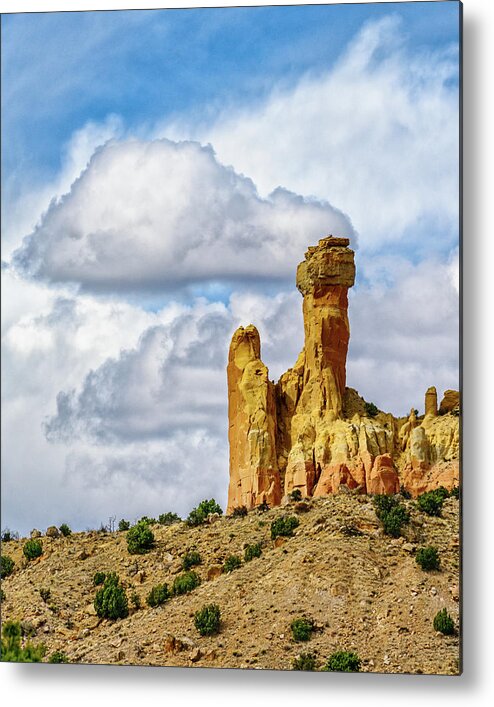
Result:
{"points": [[309, 431]]}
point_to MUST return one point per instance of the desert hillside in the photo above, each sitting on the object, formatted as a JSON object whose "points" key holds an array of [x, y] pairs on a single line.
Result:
{"points": [[362, 589]]}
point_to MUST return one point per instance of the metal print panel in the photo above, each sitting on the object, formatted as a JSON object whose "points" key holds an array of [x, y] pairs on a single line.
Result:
{"points": [[230, 337]]}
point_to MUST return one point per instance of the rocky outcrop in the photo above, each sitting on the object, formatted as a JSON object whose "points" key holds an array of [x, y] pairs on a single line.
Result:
{"points": [[431, 402], [450, 401], [310, 396], [310, 431], [254, 475]]}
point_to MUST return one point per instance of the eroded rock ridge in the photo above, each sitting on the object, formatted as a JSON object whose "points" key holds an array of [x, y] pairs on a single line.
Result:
{"points": [[309, 431]]}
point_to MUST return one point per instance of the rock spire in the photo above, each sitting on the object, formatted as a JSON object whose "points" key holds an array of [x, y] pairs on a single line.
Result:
{"points": [[309, 431]]}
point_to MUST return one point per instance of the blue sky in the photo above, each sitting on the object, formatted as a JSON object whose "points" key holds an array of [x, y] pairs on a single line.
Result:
{"points": [[163, 173], [60, 70]]}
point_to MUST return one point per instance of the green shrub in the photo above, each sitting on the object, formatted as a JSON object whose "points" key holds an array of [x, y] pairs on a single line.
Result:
{"points": [[45, 594], [99, 578], [252, 551], [207, 620], [231, 563], [65, 530], [8, 536], [239, 512], [199, 515], [391, 513], [123, 525], [431, 502], [58, 657], [33, 549], [11, 649], [135, 600], [263, 507], [405, 494], [296, 495], [343, 662], [190, 559], [186, 582], [6, 566], [169, 518], [110, 601], [148, 521], [140, 538], [304, 661], [302, 629], [455, 492], [444, 623], [428, 558], [393, 520], [158, 595], [284, 526], [2, 596], [371, 410], [383, 504]]}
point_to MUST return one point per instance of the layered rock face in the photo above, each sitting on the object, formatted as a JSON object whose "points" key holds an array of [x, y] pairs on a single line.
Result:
{"points": [[309, 431], [254, 475]]}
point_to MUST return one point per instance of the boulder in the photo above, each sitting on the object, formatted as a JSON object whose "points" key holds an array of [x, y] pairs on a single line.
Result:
{"points": [[383, 477], [450, 401]]}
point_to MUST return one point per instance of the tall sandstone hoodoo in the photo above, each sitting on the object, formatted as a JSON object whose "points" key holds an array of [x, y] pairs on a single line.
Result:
{"points": [[309, 431]]}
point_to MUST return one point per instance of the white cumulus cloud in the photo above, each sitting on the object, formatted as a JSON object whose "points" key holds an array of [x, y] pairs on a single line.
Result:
{"points": [[158, 215]]}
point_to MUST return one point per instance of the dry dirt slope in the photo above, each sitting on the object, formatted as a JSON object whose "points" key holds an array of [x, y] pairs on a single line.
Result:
{"points": [[365, 592]]}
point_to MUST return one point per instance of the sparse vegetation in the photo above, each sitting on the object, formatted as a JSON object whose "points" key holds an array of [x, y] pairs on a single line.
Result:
{"points": [[239, 512], [343, 662], [428, 558], [11, 649], [392, 514], [135, 600], [207, 620], [371, 410], [431, 502], [263, 507], [140, 538], [58, 657], [7, 565], [199, 515], [284, 526], [123, 525], [99, 578], [111, 600], [405, 494], [302, 629], [8, 536], [45, 594], [252, 551], [168, 518], [231, 563], [2, 596], [33, 549], [304, 661], [191, 559], [158, 595], [186, 582], [444, 623], [296, 495], [65, 530]]}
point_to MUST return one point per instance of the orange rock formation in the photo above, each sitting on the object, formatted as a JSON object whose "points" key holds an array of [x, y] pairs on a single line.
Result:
{"points": [[309, 431]]}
